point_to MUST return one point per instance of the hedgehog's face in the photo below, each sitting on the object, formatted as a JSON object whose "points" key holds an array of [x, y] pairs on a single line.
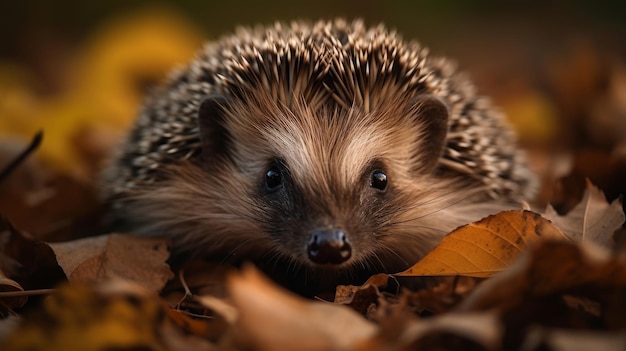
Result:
{"points": [[327, 228], [325, 222], [329, 184]]}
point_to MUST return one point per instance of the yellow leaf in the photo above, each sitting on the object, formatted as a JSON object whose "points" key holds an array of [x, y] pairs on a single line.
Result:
{"points": [[485, 247], [77, 318], [127, 55], [533, 116]]}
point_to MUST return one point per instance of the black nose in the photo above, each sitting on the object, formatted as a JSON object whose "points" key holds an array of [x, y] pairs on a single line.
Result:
{"points": [[328, 246]]}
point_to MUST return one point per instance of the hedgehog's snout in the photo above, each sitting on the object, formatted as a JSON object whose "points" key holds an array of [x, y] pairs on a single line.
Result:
{"points": [[328, 246]]}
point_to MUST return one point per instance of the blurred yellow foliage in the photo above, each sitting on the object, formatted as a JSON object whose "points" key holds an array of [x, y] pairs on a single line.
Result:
{"points": [[76, 318], [108, 81], [533, 116], [18, 104]]}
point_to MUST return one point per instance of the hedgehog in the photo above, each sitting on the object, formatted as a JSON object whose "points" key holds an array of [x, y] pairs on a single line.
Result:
{"points": [[321, 152]]}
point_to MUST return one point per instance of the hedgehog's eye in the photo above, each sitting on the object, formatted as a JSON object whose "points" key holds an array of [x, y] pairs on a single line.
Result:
{"points": [[273, 178], [379, 180]]}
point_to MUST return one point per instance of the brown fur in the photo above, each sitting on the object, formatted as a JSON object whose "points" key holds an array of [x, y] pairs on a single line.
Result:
{"points": [[329, 102], [216, 209]]}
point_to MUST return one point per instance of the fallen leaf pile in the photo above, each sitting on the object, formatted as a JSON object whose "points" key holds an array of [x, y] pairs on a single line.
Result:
{"points": [[511, 281]]}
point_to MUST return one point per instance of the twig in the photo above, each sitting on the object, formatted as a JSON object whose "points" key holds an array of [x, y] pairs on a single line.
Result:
{"points": [[34, 144], [188, 294], [6, 294], [195, 315]]}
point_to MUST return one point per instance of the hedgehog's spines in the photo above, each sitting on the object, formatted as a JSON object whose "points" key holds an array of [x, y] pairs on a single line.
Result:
{"points": [[326, 63]]}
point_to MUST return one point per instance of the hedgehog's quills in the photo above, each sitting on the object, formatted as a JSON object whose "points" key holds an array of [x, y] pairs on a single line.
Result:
{"points": [[324, 153]]}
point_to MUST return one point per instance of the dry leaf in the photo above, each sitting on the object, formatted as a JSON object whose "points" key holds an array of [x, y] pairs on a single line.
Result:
{"points": [[43, 265], [273, 319], [114, 316], [539, 289], [221, 321], [345, 293], [200, 276], [592, 219], [540, 338], [451, 331], [138, 259], [362, 298], [486, 247], [556, 268], [475, 331], [440, 298], [8, 235], [29, 263], [7, 303], [219, 306], [75, 318]]}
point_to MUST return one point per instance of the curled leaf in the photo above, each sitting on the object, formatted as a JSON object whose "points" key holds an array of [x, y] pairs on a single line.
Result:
{"points": [[593, 219], [7, 285], [486, 247]]}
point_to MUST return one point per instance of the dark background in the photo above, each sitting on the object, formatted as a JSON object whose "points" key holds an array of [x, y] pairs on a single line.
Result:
{"points": [[475, 32]]}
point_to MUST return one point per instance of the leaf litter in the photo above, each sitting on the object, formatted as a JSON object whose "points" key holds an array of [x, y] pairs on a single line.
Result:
{"points": [[515, 280]]}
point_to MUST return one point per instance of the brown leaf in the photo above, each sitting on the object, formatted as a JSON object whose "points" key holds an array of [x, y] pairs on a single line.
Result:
{"points": [[273, 319], [138, 259], [541, 338], [486, 247], [29, 263], [200, 276], [440, 298], [7, 303], [362, 298], [592, 219], [61, 209], [452, 331], [219, 306], [221, 320], [553, 268], [36, 265]]}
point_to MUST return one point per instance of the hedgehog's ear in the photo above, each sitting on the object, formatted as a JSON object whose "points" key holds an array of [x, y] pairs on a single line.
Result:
{"points": [[432, 115], [213, 134]]}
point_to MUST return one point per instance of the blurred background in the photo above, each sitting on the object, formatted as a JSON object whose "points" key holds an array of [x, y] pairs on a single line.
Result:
{"points": [[78, 71]]}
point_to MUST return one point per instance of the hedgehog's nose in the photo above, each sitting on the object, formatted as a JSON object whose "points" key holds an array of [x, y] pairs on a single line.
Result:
{"points": [[328, 246]]}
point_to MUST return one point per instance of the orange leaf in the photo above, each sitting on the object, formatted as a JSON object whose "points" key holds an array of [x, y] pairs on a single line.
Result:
{"points": [[485, 247]]}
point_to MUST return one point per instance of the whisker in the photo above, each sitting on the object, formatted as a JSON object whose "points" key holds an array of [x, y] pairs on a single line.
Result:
{"points": [[416, 226], [447, 194], [391, 251], [432, 212], [374, 254], [248, 240]]}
